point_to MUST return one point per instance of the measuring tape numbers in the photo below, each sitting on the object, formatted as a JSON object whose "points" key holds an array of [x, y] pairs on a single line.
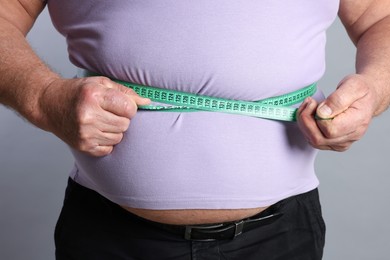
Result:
{"points": [[275, 108]]}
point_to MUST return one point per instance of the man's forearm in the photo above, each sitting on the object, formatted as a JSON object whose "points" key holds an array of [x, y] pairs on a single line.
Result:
{"points": [[373, 60], [23, 76]]}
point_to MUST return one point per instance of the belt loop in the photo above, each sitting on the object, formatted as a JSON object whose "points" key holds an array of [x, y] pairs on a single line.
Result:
{"points": [[187, 233], [239, 227]]}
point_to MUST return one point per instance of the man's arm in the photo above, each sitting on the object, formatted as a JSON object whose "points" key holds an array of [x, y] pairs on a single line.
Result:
{"points": [[360, 96], [22, 73], [369, 28], [89, 114]]}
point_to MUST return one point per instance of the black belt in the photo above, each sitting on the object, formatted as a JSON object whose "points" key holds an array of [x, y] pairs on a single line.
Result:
{"points": [[221, 231]]}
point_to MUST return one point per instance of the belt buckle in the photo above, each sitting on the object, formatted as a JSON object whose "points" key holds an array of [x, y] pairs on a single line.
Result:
{"points": [[238, 228], [188, 232]]}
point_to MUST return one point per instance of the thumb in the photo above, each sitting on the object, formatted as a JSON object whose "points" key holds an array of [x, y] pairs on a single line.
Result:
{"points": [[141, 101], [339, 101], [324, 111]]}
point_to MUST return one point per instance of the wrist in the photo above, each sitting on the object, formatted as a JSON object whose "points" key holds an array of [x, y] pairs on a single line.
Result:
{"points": [[32, 87], [379, 90], [46, 102]]}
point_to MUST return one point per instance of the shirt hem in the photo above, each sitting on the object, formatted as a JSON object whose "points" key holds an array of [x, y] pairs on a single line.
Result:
{"points": [[202, 202]]}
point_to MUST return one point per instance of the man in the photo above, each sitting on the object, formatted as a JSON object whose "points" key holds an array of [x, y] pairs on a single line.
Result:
{"points": [[198, 185]]}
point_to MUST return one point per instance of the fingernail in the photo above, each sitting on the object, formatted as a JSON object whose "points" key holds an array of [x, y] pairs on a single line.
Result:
{"points": [[324, 111], [307, 102]]}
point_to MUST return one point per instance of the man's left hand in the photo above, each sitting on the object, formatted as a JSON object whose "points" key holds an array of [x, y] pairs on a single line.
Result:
{"points": [[342, 118]]}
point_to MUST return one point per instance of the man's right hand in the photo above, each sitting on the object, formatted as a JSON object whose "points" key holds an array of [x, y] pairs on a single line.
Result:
{"points": [[89, 114]]}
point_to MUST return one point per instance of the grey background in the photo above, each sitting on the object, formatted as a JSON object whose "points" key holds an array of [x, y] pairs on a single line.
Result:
{"points": [[34, 167]]}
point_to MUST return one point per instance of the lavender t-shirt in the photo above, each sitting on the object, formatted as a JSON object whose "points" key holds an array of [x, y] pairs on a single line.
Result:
{"points": [[246, 50]]}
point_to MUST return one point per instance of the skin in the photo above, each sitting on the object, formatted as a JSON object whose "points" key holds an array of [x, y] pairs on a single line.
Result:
{"points": [[91, 114], [360, 96]]}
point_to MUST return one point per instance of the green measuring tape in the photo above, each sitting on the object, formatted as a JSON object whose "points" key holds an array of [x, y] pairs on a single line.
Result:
{"points": [[276, 108]]}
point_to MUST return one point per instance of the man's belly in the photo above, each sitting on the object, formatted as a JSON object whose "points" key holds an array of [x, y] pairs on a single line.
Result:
{"points": [[194, 216], [200, 167]]}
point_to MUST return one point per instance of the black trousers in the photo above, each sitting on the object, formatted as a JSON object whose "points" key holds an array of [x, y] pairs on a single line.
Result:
{"points": [[91, 227]]}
